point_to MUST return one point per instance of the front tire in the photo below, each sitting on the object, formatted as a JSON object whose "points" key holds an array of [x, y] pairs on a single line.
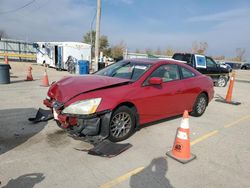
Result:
{"points": [[222, 81], [200, 105], [122, 124]]}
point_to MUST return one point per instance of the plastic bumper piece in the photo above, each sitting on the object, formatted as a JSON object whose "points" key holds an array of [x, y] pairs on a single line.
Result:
{"points": [[96, 126]]}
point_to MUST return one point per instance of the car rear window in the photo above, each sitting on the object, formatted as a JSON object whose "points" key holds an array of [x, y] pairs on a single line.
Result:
{"points": [[186, 73], [183, 57]]}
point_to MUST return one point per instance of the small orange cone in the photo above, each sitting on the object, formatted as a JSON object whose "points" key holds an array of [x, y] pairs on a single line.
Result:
{"points": [[228, 98], [29, 74], [181, 148], [6, 60], [45, 81]]}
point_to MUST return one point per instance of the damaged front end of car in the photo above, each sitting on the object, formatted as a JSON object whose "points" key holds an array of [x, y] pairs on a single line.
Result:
{"points": [[80, 118]]}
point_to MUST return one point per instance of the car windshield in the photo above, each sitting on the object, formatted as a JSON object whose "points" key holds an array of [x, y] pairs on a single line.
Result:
{"points": [[125, 69]]}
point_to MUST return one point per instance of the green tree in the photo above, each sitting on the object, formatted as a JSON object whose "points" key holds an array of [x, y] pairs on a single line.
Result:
{"points": [[89, 38]]}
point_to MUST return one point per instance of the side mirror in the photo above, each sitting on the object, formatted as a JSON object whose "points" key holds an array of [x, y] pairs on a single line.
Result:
{"points": [[155, 81]]}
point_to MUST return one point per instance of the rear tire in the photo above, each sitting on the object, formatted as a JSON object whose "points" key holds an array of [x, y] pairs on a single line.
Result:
{"points": [[200, 105], [122, 124], [243, 68], [222, 81]]}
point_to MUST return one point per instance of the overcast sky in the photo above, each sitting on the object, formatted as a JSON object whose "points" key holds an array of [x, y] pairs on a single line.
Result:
{"points": [[141, 24]]}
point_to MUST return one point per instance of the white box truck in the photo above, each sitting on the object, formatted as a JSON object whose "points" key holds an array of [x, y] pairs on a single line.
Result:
{"points": [[56, 54]]}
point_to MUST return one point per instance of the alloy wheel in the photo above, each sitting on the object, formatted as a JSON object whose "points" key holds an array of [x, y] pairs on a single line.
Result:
{"points": [[221, 82], [120, 125], [201, 105]]}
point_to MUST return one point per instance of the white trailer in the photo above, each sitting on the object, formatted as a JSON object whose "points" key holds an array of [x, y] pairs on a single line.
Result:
{"points": [[56, 54]]}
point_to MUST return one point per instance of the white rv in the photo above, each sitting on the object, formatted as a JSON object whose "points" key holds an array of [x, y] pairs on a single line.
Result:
{"points": [[56, 54]]}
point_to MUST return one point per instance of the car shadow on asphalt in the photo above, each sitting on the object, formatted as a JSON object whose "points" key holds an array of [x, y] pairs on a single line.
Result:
{"points": [[25, 181], [154, 175], [15, 129]]}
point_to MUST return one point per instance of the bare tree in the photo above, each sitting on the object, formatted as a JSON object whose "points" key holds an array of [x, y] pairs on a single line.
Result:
{"points": [[117, 50], [148, 51], [199, 48], [169, 52], [158, 51], [137, 51], [240, 54], [3, 34], [222, 57]]}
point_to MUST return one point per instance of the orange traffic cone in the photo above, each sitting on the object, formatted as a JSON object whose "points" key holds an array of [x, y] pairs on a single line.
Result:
{"points": [[29, 74], [230, 88], [6, 60], [228, 98], [181, 148], [45, 81]]}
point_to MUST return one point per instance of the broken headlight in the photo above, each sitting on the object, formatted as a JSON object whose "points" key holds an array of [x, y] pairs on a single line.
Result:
{"points": [[88, 106]]}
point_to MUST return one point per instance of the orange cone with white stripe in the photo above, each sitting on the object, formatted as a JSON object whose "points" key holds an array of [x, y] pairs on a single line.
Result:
{"points": [[45, 82], [181, 148]]}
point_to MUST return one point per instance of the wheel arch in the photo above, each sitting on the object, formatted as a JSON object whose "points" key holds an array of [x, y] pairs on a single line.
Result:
{"points": [[204, 92], [133, 107], [194, 111]]}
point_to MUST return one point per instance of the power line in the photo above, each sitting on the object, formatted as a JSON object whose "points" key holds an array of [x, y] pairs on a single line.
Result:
{"points": [[19, 8]]}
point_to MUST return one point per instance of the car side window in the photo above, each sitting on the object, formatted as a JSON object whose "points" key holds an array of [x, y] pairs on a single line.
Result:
{"points": [[167, 73], [210, 63], [186, 73]]}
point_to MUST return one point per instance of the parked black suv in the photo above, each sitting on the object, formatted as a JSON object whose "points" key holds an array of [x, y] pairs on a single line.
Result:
{"points": [[245, 66], [205, 65]]}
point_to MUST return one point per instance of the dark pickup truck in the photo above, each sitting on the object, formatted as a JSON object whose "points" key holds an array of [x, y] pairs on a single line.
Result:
{"points": [[205, 65]]}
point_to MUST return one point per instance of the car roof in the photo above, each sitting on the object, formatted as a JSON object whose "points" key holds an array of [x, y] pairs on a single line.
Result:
{"points": [[152, 60], [163, 61]]}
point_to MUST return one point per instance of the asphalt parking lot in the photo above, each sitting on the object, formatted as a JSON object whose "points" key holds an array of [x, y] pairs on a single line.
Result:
{"points": [[43, 155]]}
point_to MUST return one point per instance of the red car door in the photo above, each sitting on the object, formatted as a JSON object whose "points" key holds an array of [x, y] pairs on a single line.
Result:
{"points": [[164, 100], [191, 87]]}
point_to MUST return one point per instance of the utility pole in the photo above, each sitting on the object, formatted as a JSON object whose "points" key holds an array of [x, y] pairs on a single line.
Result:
{"points": [[97, 35]]}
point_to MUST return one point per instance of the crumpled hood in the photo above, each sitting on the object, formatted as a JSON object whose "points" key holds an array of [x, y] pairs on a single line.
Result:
{"points": [[68, 87]]}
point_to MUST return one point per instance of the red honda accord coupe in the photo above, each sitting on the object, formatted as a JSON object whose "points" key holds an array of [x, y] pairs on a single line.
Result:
{"points": [[116, 100]]}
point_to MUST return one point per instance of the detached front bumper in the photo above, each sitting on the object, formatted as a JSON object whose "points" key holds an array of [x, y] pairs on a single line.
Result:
{"points": [[96, 124]]}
